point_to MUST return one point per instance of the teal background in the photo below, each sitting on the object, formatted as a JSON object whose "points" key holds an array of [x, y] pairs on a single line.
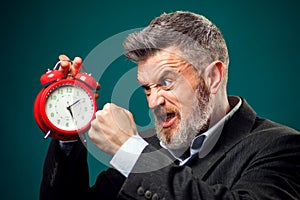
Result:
{"points": [[262, 37]]}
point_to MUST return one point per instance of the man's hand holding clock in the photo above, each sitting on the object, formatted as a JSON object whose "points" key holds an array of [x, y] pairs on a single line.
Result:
{"points": [[112, 125]]}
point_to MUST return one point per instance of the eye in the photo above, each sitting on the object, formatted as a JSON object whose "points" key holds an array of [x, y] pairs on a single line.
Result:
{"points": [[147, 89], [166, 83]]}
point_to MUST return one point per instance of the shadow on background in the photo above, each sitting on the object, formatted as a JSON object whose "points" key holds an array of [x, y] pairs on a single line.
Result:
{"points": [[263, 41]]}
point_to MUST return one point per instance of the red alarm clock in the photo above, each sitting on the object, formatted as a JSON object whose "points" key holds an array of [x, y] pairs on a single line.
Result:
{"points": [[65, 107]]}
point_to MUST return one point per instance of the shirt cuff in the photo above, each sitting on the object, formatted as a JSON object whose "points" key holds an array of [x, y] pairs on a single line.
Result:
{"points": [[126, 157]]}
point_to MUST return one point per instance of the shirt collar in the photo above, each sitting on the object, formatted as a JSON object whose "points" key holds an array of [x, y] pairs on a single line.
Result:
{"points": [[210, 137]]}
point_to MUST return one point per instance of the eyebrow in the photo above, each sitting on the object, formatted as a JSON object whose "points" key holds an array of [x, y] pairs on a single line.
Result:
{"points": [[163, 74]]}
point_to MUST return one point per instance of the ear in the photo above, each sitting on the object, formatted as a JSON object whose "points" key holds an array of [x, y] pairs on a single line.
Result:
{"points": [[215, 75]]}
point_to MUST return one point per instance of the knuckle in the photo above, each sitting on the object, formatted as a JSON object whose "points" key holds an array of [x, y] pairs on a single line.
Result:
{"points": [[107, 106], [93, 123], [99, 115], [91, 134], [129, 113]]}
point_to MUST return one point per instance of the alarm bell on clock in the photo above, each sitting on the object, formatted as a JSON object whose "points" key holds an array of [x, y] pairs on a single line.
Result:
{"points": [[65, 108]]}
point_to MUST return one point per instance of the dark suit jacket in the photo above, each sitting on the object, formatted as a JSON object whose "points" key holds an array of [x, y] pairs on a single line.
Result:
{"points": [[254, 158]]}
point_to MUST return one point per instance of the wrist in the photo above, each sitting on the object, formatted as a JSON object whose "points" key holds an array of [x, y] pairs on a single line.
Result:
{"points": [[66, 146]]}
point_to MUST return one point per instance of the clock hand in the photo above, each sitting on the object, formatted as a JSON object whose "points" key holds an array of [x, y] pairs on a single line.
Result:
{"points": [[68, 107]]}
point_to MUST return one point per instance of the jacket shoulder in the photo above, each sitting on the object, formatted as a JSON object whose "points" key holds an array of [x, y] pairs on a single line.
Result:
{"points": [[264, 126]]}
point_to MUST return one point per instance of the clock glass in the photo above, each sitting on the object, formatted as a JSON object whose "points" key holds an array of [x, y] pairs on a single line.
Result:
{"points": [[69, 107]]}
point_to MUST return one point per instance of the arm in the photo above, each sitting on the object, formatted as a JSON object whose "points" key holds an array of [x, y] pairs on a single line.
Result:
{"points": [[66, 177]]}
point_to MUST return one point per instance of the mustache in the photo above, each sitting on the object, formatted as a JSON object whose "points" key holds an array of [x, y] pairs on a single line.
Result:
{"points": [[162, 113]]}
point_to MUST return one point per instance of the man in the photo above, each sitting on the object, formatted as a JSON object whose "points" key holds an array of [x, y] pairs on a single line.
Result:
{"points": [[208, 145]]}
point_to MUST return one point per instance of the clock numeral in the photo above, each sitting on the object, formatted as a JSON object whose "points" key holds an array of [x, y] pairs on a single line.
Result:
{"points": [[52, 115], [67, 124], [58, 121], [50, 105], [60, 91], [53, 97], [69, 90]]}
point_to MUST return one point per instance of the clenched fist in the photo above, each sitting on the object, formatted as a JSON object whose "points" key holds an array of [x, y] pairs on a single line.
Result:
{"points": [[111, 128]]}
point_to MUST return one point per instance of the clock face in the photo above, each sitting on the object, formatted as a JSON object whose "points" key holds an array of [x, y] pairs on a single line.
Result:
{"points": [[69, 107]]}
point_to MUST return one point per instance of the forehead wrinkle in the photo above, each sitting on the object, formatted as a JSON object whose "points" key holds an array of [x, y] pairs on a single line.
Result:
{"points": [[154, 77], [159, 64]]}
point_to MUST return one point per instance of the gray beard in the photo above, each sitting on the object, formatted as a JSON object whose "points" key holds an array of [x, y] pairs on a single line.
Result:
{"points": [[190, 126]]}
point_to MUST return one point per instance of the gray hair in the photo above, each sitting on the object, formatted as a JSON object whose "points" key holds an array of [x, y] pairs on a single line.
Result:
{"points": [[198, 40]]}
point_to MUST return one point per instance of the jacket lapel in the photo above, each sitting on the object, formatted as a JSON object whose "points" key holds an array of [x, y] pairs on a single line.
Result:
{"points": [[237, 127]]}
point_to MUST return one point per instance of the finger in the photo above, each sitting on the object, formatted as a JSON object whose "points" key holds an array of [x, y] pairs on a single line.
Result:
{"points": [[96, 95], [101, 142], [65, 63], [95, 135], [107, 106], [95, 125], [63, 57], [98, 87], [75, 68], [101, 116]]}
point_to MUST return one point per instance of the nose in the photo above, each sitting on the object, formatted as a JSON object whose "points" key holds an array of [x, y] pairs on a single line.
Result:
{"points": [[155, 98]]}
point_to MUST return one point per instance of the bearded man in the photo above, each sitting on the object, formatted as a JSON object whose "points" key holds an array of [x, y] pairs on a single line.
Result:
{"points": [[205, 145]]}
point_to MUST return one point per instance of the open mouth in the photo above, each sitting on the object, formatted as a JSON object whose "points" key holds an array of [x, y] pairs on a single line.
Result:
{"points": [[167, 119]]}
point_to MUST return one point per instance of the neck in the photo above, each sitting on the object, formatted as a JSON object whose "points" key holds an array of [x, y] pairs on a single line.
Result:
{"points": [[220, 108]]}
